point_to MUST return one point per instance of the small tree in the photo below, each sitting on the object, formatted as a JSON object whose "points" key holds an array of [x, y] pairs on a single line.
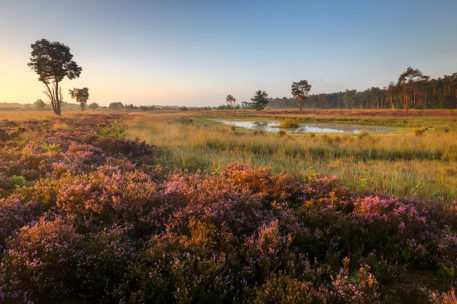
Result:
{"points": [[81, 96], [39, 104], [260, 100], [300, 90], [52, 61], [93, 106], [230, 100], [116, 106]]}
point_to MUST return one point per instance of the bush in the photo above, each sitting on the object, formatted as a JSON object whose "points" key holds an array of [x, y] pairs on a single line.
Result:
{"points": [[181, 268], [116, 130], [419, 132], [289, 124], [284, 289], [41, 264]]}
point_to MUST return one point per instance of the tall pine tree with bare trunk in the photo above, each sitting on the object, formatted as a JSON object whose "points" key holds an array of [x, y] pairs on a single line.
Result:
{"points": [[300, 90], [408, 81], [52, 61]]}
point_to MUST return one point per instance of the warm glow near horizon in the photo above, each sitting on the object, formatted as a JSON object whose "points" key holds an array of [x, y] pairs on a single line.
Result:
{"points": [[176, 53]]}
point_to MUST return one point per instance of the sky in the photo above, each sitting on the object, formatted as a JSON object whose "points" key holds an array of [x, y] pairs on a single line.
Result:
{"points": [[194, 53]]}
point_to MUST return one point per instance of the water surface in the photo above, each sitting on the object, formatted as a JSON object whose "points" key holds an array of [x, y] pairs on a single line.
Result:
{"points": [[272, 126]]}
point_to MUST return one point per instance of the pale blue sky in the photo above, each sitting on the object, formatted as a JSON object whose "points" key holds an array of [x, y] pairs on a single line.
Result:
{"points": [[197, 52]]}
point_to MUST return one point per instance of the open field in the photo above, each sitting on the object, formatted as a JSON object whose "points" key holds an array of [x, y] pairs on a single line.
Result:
{"points": [[417, 161], [90, 215]]}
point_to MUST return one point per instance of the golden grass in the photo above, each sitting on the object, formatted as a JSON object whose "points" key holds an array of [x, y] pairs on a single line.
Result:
{"points": [[27, 115], [403, 163], [406, 163]]}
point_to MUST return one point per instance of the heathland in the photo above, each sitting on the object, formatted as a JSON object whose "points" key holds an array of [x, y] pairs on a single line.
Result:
{"points": [[418, 160], [174, 207]]}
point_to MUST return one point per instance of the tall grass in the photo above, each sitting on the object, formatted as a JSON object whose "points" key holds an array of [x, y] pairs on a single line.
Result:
{"points": [[403, 164]]}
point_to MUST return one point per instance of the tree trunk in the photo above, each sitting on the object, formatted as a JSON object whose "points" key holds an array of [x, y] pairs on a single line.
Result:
{"points": [[57, 99], [425, 99]]}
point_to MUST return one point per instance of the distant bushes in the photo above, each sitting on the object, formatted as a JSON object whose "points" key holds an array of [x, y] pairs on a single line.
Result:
{"points": [[419, 132], [98, 222], [289, 124]]}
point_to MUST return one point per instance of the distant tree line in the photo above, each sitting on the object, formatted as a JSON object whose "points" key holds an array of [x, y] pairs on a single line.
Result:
{"points": [[130, 107], [412, 90], [258, 102]]}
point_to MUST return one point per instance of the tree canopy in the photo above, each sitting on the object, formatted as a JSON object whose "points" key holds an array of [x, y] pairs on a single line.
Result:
{"points": [[300, 90], [230, 100], [94, 106], [52, 61], [260, 100], [116, 106], [81, 96], [39, 104]]}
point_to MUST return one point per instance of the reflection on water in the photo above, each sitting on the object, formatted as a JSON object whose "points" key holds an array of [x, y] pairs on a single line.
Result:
{"points": [[272, 126]]}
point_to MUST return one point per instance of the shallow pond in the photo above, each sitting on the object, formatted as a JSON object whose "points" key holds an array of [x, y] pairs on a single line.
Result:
{"points": [[272, 126]]}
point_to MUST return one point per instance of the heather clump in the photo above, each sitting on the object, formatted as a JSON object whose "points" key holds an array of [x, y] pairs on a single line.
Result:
{"points": [[361, 288], [14, 214], [42, 262], [183, 268], [213, 199], [284, 289], [107, 195], [267, 252], [261, 182], [103, 249]]}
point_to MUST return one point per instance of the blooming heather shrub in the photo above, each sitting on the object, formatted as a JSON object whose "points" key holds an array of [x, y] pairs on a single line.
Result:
{"points": [[108, 195], [267, 252], [80, 158], [387, 211], [284, 289], [41, 264], [211, 199], [447, 251], [359, 289], [107, 255], [261, 182], [183, 268], [131, 149], [97, 222], [14, 214], [324, 190], [443, 298]]}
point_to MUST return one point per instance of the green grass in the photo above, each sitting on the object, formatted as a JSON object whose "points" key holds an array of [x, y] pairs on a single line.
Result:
{"points": [[404, 164]]}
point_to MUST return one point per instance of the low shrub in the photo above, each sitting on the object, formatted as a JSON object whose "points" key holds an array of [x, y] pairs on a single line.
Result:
{"points": [[289, 124]]}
